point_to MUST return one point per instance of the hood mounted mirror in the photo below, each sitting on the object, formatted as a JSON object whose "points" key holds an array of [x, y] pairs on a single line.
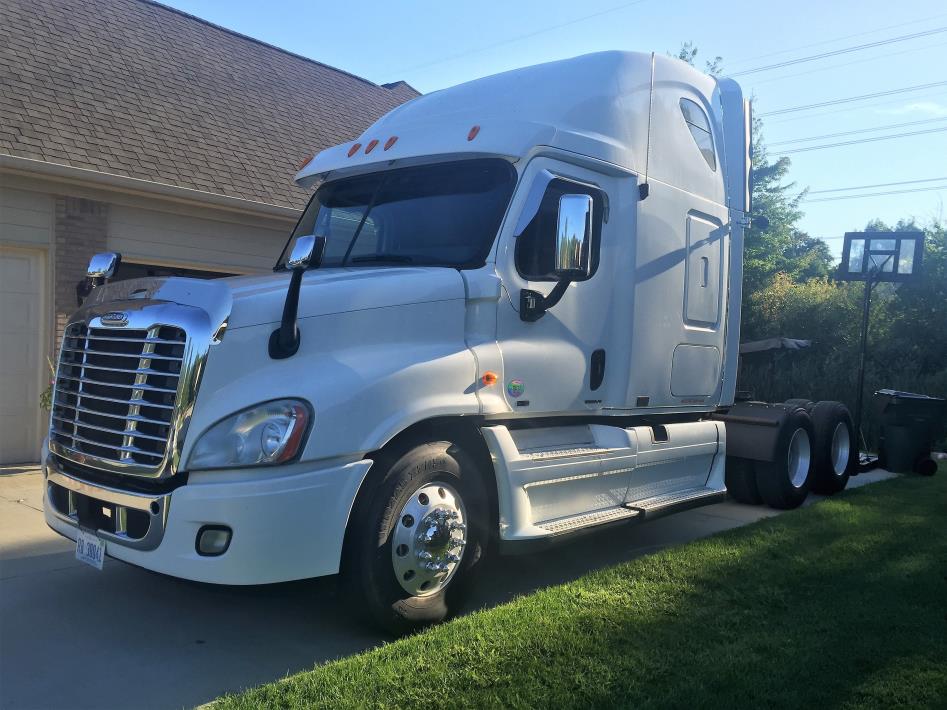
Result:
{"points": [[307, 253]]}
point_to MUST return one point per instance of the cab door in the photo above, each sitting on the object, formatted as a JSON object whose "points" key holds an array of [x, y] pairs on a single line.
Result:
{"points": [[560, 360]]}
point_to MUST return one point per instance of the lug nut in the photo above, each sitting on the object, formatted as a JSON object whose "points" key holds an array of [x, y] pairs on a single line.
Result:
{"points": [[458, 526], [424, 555]]}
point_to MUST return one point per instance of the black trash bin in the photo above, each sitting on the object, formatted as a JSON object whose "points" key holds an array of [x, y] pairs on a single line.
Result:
{"points": [[906, 425]]}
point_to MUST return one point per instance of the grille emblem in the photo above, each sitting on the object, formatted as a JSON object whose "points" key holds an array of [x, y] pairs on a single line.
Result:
{"points": [[115, 319]]}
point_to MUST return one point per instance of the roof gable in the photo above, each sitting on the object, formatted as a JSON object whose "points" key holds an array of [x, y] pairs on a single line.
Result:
{"points": [[134, 88]]}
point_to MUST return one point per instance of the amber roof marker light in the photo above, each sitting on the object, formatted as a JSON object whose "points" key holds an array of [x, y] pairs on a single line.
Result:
{"points": [[371, 145], [354, 149], [473, 133], [390, 142]]}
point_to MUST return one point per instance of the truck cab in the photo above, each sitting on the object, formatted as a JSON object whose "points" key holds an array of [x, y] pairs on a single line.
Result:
{"points": [[508, 314]]}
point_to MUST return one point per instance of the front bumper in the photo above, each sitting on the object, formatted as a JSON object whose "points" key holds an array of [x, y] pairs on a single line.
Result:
{"points": [[287, 524]]}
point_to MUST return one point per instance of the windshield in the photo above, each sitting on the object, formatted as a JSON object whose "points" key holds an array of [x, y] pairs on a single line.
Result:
{"points": [[446, 214]]}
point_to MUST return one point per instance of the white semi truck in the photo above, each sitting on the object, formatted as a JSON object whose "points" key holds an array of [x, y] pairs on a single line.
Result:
{"points": [[509, 314]]}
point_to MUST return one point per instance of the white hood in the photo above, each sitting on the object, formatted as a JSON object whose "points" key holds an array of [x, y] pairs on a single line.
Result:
{"points": [[255, 300]]}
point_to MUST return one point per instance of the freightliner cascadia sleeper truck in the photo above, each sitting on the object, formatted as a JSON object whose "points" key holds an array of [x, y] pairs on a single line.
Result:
{"points": [[509, 314]]}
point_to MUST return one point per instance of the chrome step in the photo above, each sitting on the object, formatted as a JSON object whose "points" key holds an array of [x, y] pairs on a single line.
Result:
{"points": [[585, 520], [545, 454], [660, 503]]}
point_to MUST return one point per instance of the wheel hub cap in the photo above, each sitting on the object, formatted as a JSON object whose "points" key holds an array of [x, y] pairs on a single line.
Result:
{"points": [[429, 539], [841, 449]]}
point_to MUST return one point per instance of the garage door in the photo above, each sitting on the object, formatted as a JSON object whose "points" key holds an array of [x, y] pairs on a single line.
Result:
{"points": [[22, 358]]}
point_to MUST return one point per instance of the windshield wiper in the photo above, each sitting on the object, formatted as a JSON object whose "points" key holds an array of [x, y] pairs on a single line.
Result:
{"points": [[390, 258]]}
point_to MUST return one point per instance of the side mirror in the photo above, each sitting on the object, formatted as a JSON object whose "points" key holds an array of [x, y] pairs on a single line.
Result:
{"points": [[573, 257], [307, 253], [102, 266], [574, 237], [759, 222]]}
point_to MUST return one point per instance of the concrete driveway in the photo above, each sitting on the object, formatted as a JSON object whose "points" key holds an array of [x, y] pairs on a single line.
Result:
{"points": [[73, 637]]}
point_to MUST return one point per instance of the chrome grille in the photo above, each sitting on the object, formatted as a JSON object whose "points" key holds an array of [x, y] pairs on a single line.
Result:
{"points": [[116, 391]]}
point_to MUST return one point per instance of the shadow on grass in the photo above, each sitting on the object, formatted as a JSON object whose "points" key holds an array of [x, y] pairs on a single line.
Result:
{"points": [[841, 604]]}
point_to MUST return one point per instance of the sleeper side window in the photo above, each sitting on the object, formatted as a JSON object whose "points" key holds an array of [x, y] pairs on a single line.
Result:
{"points": [[535, 250], [699, 126]]}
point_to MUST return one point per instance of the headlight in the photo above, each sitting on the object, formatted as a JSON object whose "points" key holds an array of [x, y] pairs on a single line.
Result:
{"points": [[268, 433]]}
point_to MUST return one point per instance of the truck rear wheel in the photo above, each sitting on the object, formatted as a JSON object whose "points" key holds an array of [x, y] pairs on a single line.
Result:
{"points": [[784, 482], [416, 538], [833, 452], [741, 481], [800, 402]]}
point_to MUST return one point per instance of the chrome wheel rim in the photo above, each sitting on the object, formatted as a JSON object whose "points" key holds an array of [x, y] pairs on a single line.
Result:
{"points": [[841, 448], [429, 539], [799, 456]]}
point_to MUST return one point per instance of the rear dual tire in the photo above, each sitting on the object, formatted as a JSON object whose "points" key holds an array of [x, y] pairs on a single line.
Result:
{"points": [[784, 482], [815, 451]]}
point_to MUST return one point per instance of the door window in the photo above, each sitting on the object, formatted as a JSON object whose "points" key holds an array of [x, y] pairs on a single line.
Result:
{"points": [[535, 251]]}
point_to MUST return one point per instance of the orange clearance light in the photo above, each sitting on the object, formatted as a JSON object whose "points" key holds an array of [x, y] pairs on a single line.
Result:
{"points": [[354, 149], [390, 142], [473, 133], [489, 378], [371, 145], [305, 162]]}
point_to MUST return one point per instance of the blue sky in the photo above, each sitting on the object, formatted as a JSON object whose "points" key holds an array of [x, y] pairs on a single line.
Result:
{"points": [[436, 44]]}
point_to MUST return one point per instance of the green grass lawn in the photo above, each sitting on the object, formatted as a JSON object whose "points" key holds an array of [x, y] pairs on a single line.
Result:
{"points": [[842, 604]]}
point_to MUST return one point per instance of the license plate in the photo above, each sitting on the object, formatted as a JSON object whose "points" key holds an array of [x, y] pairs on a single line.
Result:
{"points": [[90, 549]]}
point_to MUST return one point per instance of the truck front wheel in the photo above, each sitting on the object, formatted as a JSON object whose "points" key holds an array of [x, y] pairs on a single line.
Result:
{"points": [[417, 537]]}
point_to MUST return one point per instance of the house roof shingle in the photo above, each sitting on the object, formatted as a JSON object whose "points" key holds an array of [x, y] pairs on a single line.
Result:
{"points": [[137, 89]]}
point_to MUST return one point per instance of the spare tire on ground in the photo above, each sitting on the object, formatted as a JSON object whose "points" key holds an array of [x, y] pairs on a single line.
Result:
{"points": [[834, 449]]}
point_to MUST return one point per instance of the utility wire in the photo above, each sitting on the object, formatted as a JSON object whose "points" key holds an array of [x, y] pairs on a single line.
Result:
{"points": [[879, 194], [859, 130], [845, 109], [517, 38], [844, 50], [834, 102], [859, 141], [831, 67], [880, 184], [747, 60]]}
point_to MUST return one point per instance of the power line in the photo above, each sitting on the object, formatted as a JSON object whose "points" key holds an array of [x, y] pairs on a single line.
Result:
{"points": [[844, 50], [747, 60], [859, 140], [879, 194], [875, 58], [844, 109], [834, 102], [880, 184], [517, 38], [859, 130]]}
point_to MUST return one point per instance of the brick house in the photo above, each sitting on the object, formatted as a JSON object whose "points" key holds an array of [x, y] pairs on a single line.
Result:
{"points": [[128, 126]]}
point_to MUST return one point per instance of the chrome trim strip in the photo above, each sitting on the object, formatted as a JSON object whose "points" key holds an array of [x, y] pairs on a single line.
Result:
{"points": [[156, 507], [135, 434]]}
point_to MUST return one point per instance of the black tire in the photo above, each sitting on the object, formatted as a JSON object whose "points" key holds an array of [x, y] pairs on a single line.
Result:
{"points": [[774, 478], [806, 404], [367, 568], [830, 475], [741, 481]]}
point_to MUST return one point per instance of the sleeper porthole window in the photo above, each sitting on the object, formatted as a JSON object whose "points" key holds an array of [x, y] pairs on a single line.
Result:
{"points": [[699, 126]]}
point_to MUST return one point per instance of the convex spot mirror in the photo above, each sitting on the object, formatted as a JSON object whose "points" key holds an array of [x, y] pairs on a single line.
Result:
{"points": [[574, 237], [307, 252]]}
